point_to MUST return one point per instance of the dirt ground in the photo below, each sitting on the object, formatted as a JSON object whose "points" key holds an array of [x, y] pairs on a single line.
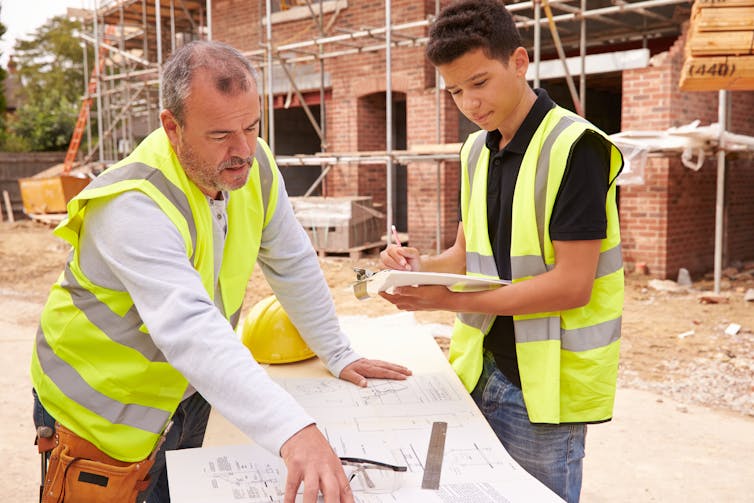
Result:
{"points": [[684, 422]]}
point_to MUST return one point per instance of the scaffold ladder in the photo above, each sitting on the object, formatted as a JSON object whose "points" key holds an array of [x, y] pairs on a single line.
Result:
{"points": [[86, 103]]}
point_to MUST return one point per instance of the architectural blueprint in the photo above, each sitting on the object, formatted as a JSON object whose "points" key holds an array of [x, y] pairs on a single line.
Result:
{"points": [[388, 421]]}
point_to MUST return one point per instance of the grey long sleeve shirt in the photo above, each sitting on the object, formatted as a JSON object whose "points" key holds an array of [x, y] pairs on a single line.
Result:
{"points": [[128, 243]]}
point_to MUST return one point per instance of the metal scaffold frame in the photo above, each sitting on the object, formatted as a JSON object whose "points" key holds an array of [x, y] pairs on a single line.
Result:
{"points": [[129, 95], [122, 71], [128, 92]]}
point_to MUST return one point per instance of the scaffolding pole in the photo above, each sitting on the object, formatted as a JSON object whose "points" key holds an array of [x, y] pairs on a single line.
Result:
{"points": [[270, 94], [388, 125], [158, 26], [439, 165], [722, 117], [99, 82]]}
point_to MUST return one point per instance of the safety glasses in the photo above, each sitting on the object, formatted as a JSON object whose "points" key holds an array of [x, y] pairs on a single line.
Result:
{"points": [[370, 476]]}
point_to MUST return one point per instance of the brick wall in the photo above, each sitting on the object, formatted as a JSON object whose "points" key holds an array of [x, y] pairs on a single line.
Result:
{"points": [[739, 229], [423, 193], [669, 222]]}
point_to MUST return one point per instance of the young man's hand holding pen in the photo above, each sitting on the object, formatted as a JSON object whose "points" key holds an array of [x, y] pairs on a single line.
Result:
{"points": [[397, 256]]}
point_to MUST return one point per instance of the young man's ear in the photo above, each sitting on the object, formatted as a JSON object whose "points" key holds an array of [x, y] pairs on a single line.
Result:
{"points": [[171, 127], [520, 59]]}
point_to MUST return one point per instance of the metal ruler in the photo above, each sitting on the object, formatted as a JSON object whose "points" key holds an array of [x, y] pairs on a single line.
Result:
{"points": [[433, 464]]}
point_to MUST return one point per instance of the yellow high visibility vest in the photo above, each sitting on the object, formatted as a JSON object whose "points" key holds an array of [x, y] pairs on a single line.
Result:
{"points": [[94, 365], [568, 360]]}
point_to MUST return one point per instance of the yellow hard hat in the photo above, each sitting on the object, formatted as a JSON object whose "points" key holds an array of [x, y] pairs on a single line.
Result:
{"points": [[270, 335]]}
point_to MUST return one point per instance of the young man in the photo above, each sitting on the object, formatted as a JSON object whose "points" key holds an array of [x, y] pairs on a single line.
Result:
{"points": [[139, 330], [538, 207]]}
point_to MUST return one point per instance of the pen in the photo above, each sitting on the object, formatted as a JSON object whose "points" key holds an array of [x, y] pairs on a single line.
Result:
{"points": [[395, 235]]}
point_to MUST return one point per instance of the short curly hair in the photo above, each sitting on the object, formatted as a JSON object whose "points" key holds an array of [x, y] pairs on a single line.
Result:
{"points": [[473, 24]]}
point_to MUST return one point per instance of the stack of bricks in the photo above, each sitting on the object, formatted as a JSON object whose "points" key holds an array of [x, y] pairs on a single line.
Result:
{"points": [[339, 224], [720, 47]]}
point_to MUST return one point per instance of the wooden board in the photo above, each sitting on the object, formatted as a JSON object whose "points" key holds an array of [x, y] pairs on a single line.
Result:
{"points": [[720, 43], [734, 73], [698, 4], [723, 19]]}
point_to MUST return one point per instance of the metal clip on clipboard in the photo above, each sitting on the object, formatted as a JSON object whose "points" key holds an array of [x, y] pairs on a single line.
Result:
{"points": [[360, 286]]}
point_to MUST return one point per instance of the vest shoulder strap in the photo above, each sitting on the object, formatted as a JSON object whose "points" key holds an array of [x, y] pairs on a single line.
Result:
{"points": [[476, 150], [266, 177]]}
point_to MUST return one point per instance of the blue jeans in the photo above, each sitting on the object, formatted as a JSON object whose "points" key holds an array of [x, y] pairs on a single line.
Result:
{"points": [[189, 424], [552, 453]]}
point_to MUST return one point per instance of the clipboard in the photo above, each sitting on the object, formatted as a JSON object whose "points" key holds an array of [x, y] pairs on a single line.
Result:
{"points": [[370, 284]]}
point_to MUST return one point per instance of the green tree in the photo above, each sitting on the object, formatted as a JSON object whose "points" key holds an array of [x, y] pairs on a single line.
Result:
{"points": [[45, 123], [51, 71]]}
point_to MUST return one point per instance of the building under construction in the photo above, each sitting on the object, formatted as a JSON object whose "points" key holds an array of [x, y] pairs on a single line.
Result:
{"points": [[329, 69]]}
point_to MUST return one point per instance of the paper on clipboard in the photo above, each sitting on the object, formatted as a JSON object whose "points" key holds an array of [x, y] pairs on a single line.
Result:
{"points": [[386, 279]]}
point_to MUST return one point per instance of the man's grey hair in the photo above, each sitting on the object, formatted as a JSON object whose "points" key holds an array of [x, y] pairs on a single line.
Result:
{"points": [[228, 68]]}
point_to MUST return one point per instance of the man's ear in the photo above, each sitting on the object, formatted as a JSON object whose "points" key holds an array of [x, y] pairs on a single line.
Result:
{"points": [[520, 59], [171, 127]]}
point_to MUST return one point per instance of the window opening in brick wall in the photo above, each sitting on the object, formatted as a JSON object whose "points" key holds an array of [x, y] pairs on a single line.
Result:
{"points": [[296, 136], [604, 92]]}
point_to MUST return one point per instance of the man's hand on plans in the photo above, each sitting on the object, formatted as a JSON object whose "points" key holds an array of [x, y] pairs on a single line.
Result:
{"points": [[310, 459], [358, 371]]}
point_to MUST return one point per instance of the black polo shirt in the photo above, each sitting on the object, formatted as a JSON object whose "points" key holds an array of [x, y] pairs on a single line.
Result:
{"points": [[578, 213]]}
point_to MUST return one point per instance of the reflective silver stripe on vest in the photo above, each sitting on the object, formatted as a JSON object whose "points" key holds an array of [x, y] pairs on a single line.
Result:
{"points": [[476, 151], [476, 262], [78, 390], [481, 321], [538, 329], [542, 176], [265, 177], [576, 339], [610, 261], [595, 336], [123, 330], [548, 329], [140, 171], [481, 264], [523, 266]]}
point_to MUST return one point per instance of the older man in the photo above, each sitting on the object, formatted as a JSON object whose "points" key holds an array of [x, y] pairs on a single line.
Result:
{"points": [[138, 333]]}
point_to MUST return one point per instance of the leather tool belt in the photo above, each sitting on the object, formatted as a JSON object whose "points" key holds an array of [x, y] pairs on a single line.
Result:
{"points": [[79, 472]]}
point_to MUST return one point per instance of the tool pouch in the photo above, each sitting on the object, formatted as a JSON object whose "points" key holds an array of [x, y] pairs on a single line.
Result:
{"points": [[79, 472]]}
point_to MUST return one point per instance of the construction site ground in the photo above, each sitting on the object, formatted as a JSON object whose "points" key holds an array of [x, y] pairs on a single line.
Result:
{"points": [[683, 428]]}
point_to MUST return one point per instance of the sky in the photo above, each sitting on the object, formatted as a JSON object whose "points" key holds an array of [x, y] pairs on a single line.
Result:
{"points": [[23, 17]]}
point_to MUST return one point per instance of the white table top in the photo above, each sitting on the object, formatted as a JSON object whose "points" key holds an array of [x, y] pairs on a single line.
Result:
{"points": [[388, 421]]}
